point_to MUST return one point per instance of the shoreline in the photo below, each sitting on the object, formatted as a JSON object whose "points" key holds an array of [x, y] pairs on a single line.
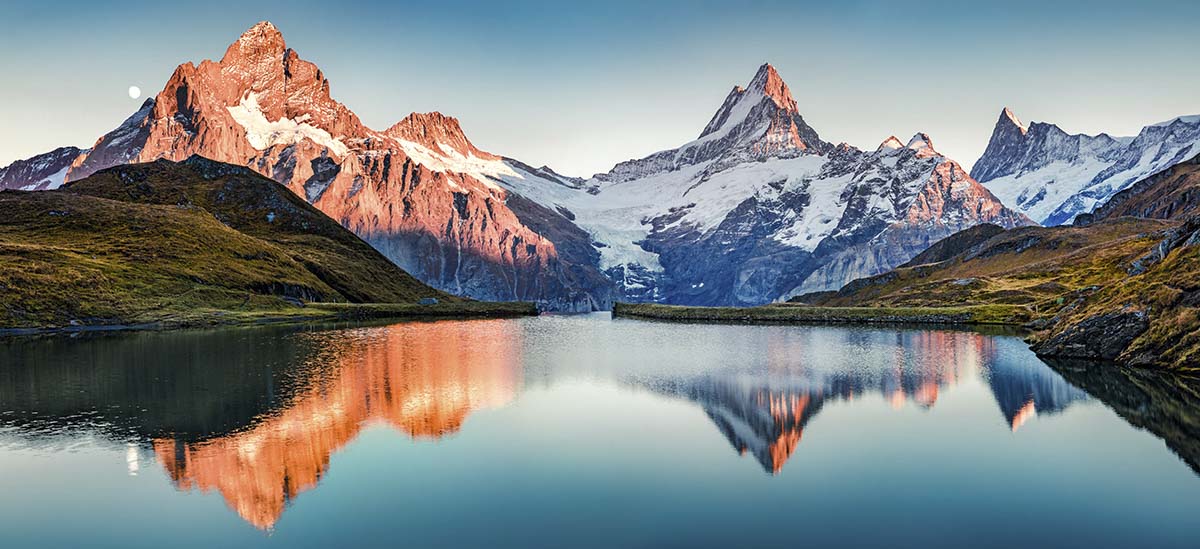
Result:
{"points": [[312, 312], [982, 315]]}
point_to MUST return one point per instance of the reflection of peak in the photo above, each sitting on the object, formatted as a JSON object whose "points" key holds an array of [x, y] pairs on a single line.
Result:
{"points": [[411, 377], [1164, 404], [762, 421], [1025, 390]]}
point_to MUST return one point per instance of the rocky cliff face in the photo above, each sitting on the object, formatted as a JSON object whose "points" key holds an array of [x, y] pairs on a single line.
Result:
{"points": [[1052, 176]]}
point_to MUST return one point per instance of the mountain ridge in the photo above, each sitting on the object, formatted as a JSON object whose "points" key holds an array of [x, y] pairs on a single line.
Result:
{"points": [[1053, 176], [797, 211]]}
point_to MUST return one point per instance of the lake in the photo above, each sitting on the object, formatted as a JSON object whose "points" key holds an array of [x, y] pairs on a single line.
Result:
{"points": [[586, 431]]}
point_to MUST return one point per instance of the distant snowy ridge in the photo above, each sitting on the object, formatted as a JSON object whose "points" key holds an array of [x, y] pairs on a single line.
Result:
{"points": [[1052, 176], [759, 207], [42, 172]]}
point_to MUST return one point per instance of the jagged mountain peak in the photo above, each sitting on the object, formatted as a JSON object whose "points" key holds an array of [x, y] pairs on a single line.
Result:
{"points": [[1008, 117], [259, 41], [890, 144], [1179, 120], [922, 144], [434, 131], [757, 121], [768, 82], [1052, 175]]}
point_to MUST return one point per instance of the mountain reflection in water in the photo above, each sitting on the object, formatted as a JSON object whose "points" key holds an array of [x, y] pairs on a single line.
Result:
{"points": [[765, 417], [255, 415], [420, 379]]}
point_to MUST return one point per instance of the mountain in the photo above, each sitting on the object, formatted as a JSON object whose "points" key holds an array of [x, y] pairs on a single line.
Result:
{"points": [[1119, 285], [1053, 176], [420, 191], [168, 241], [1173, 193], [42, 172], [759, 207], [756, 208]]}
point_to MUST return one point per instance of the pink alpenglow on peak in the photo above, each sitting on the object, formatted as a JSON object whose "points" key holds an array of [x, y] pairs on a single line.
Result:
{"points": [[420, 192], [923, 145], [771, 85], [892, 143], [1007, 113]]}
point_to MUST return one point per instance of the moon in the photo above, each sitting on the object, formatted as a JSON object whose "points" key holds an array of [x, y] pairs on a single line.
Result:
{"points": [[134, 92]]}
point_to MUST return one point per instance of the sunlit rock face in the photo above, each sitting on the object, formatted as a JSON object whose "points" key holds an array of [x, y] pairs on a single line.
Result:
{"points": [[420, 379], [419, 191]]}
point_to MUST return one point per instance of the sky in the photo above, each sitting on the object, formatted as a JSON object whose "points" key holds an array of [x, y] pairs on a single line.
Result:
{"points": [[582, 85]]}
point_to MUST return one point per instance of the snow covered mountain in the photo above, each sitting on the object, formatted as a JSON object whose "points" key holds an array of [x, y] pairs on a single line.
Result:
{"points": [[42, 172], [758, 207], [1052, 176]]}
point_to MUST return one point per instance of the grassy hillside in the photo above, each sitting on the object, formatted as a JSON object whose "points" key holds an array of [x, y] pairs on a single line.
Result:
{"points": [[1121, 289], [1032, 267], [182, 243]]}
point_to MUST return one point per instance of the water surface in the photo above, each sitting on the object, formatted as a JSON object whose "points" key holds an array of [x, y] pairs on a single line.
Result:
{"points": [[586, 431]]}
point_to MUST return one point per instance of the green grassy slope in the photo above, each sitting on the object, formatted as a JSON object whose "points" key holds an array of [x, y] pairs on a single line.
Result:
{"points": [[1122, 289], [180, 243]]}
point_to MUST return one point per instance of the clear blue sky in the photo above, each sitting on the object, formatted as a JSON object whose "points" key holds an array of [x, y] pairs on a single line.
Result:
{"points": [[581, 87]]}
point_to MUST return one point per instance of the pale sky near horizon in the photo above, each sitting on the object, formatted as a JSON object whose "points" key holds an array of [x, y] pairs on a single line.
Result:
{"points": [[581, 86]]}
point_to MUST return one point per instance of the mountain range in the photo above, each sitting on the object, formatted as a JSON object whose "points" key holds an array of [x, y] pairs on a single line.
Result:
{"points": [[1118, 285], [1053, 176], [756, 209]]}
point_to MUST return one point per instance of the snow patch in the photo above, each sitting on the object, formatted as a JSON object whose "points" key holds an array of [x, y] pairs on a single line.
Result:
{"points": [[450, 160], [263, 134]]}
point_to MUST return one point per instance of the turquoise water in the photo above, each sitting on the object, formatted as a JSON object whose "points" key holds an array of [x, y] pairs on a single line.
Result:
{"points": [[573, 431]]}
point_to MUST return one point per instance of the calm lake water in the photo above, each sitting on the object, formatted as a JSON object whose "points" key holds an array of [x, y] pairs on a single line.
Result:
{"points": [[572, 431]]}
